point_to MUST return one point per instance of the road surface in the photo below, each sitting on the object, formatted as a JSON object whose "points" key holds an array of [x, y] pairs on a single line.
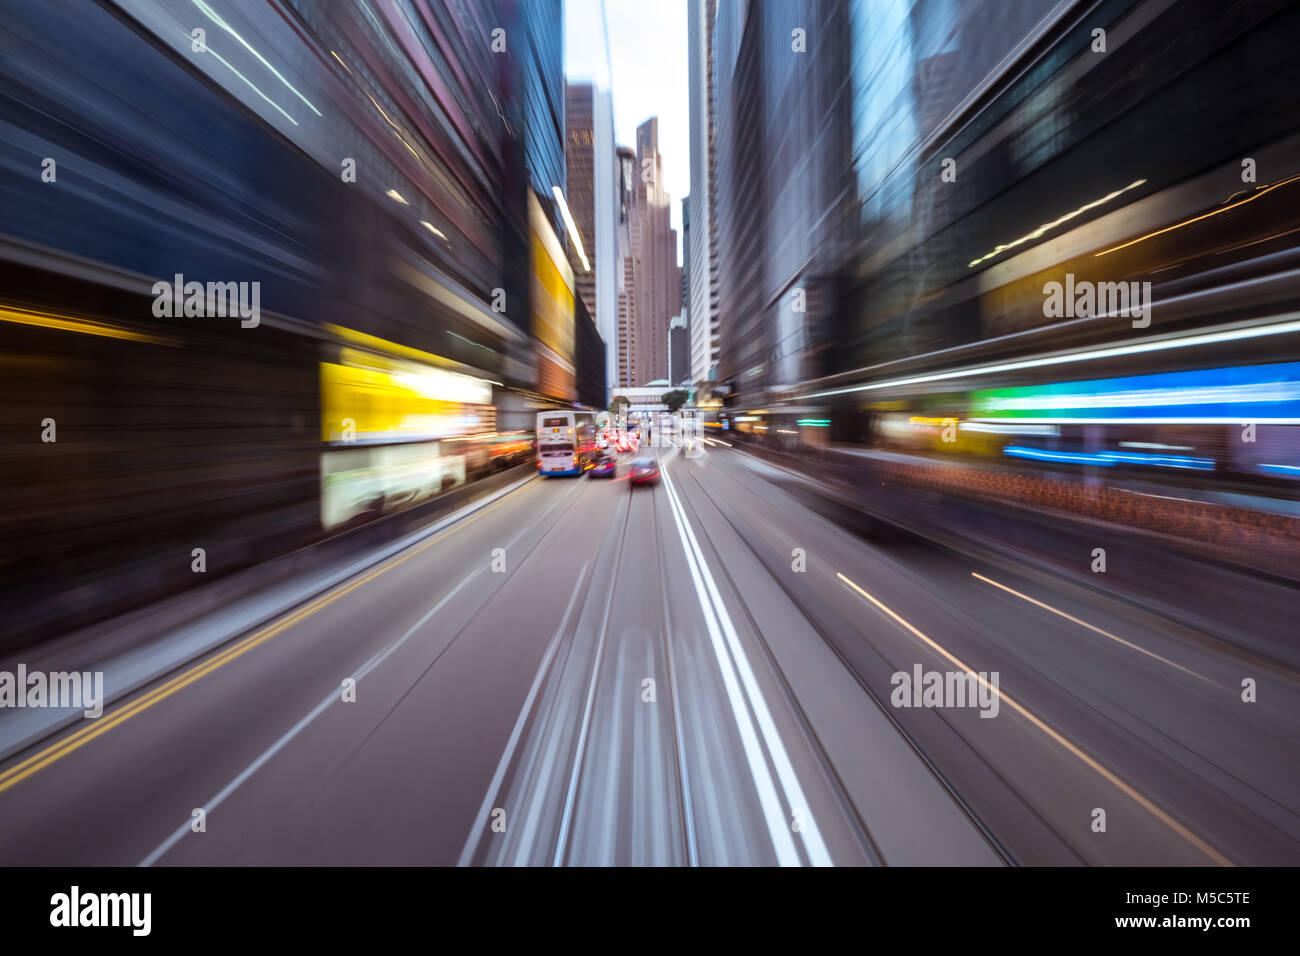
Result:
{"points": [[697, 672]]}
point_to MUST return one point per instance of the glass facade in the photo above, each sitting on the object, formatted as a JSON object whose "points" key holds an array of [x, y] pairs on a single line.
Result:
{"points": [[950, 192], [543, 102], [783, 170]]}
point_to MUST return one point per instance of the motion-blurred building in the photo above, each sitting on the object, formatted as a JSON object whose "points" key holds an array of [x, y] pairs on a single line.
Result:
{"points": [[539, 55], [365, 173], [590, 356], [990, 164], [593, 195], [539, 62], [925, 74], [551, 298], [580, 168], [781, 179], [674, 351], [608, 194], [701, 251], [1024, 274], [561, 254]]}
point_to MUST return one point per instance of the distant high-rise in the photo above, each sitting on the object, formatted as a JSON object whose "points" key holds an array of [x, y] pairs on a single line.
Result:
{"points": [[679, 351], [656, 275], [626, 338], [685, 349], [580, 168], [701, 253], [686, 263]]}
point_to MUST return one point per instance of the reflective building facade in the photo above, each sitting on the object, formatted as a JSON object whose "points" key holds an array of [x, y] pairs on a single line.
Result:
{"points": [[541, 61], [701, 253], [361, 171], [783, 187], [592, 172]]}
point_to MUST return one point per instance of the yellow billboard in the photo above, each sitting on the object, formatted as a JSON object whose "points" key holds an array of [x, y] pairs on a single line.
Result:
{"points": [[552, 308], [363, 401], [395, 430]]}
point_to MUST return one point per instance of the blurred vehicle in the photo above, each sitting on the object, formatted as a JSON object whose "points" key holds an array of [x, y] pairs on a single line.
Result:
{"points": [[603, 466], [489, 453], [566, 442], [508, 449], [645, 471]]}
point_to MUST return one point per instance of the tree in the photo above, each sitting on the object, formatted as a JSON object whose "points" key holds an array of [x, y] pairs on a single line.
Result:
{"points": [[618, 405], [675, 399]]}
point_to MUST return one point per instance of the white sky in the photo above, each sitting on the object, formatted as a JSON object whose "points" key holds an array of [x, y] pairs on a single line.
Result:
{"points": [[647, 48]]}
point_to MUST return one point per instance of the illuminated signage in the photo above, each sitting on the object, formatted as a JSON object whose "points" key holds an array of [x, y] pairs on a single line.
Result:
{"points": [[1267, 394], [552, 308]]}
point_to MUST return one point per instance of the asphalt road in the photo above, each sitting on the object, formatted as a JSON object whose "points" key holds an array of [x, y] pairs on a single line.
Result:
{"points": [[698, 672]]}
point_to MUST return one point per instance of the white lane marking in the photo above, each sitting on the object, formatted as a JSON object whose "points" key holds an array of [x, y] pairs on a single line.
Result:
{"points": [[1092, 627], [471, 845], [711, 603], [692, 850], [571, 794], [133, 670], [542, 763], [179, 833], [679, 728], [1059, 738]]}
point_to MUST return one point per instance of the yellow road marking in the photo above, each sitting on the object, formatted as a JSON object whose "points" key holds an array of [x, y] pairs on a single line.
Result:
{"points": [[1091, 627], [38, 761], [1092, 764]]}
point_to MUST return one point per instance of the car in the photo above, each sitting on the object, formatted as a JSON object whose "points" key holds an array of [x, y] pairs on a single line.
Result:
{"points": [[645, 471], [604, 466]]}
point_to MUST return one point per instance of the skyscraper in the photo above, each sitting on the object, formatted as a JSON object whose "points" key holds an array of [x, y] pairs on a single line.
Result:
{"points": [[579, 162], [542, 64], [552, 287], [626, 269], [741, 184], [593, 199], [783, 181], [682, 352], [605, 181], [679, 353], [656, 275]]}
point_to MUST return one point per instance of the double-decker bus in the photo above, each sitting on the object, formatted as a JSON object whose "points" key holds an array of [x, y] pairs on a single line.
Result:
{"points": [[566, 441]]}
